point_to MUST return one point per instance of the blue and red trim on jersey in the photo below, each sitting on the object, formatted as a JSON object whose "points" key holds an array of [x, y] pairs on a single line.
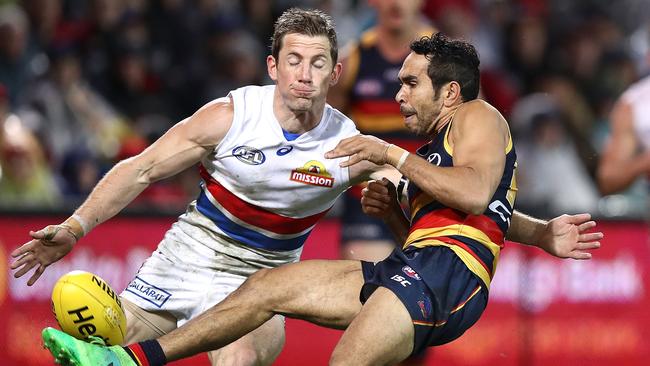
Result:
{"points": [[250, 224]]}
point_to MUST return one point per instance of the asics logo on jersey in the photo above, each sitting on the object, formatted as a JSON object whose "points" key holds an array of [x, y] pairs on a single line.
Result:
{"points": [[284, 150], [249, 155]]}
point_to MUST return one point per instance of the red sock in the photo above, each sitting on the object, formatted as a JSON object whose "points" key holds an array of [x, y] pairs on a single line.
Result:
{"points": [[147, 353]]}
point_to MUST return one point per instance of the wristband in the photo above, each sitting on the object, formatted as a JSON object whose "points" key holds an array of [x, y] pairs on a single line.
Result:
{"points": [[402, 159], [396, 156], [82, 224]]}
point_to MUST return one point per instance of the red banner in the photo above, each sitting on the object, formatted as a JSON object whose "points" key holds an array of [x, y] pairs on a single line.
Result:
{"points": [[542, 310], [546, 311]]}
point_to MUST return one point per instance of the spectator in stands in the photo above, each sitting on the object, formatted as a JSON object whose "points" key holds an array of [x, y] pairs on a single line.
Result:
{"points": [[233, 59], [551, 177], [19, 63], [68, 114], [25, 177]]}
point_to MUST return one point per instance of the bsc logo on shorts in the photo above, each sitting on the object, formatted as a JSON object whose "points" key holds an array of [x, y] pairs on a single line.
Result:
{"points": [[411, 273]]}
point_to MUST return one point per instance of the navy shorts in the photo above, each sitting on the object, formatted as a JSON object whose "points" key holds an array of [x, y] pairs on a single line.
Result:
{"points": [[442, 295]]}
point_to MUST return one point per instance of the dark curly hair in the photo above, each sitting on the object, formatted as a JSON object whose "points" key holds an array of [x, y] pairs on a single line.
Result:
{"points": [[306, 22], [450, 60]]}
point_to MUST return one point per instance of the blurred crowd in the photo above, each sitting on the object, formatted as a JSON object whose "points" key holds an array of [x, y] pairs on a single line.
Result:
{"points": [[86, 83]]}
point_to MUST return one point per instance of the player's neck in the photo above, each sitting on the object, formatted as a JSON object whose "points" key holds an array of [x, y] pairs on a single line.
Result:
{"points": [[298, 122], [394, 43], [444, 118]]}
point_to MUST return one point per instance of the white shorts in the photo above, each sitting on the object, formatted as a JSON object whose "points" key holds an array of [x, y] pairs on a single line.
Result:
{"points": [[194, 268]]}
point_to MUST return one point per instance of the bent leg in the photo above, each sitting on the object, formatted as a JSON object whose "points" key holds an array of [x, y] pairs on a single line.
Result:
{"points": [[142, 324], [323, 292], [382, 333], [259, 347]]}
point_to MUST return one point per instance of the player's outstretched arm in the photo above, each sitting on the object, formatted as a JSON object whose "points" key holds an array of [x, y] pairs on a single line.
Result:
{"points": [[468, 185], [565, 236], [179, 148]]}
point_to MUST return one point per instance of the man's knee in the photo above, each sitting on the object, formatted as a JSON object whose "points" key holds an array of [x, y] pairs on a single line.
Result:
{"points": [[239, 356], [260, 289], [339, 358], [336, 359], [261, 347]]}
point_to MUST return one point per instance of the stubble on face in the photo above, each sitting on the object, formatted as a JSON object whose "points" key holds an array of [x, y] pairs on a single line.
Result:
{"points": [[420, 107]]}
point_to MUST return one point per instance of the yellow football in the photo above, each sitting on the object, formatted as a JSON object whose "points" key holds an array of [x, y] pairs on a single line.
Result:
{"points": [[85, 305]]}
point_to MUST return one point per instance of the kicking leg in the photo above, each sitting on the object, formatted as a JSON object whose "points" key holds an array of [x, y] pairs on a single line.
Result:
{"points": [[259, 347], [142, 324], [323, 292], [382, 333]]}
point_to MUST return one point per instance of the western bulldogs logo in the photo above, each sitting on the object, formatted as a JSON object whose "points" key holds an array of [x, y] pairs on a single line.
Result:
{"points": [[249, 155], [411, 273]]}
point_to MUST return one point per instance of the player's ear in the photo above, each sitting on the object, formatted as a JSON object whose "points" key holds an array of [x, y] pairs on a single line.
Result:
{"points": [[336, 73], [451, 94], [272, 67]]}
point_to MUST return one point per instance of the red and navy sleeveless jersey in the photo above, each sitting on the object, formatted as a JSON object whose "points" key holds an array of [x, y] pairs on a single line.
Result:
{"points": [[373, 84], [476, 239]]}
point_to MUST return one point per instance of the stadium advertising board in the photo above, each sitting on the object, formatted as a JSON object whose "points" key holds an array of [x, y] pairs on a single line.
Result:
{"points": [[542, 310]]}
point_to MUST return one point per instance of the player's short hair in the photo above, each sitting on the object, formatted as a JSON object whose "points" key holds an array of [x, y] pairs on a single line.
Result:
{"points": [[450, 60], [306, 22]]}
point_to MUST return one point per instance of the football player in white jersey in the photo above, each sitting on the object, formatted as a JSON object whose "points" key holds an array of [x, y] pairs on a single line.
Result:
{"points": [[258, 202]]}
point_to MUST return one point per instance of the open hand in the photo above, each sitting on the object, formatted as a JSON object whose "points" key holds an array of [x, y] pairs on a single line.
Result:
{"points": [[47, 246], [359, 148], [566, 236]]}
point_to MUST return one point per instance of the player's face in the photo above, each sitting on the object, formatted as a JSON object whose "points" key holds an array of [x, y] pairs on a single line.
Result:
{"points": [[304, 71], [397, 14], [416, 98]]}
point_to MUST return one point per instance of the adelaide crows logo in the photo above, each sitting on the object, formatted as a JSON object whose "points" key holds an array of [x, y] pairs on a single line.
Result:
{"points": [[313, 173]]}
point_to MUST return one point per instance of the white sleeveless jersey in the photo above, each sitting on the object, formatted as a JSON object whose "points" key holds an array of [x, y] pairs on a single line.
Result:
{"points": [[638, 97], [266, 192], [261, 196]]}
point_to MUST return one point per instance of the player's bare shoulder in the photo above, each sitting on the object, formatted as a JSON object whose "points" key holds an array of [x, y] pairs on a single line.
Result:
{"points": [[210, 123], [478, 108], [479, 114]]}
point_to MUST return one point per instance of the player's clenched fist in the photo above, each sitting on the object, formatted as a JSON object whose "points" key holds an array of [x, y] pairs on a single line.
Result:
{"points": [[379, 199]]}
